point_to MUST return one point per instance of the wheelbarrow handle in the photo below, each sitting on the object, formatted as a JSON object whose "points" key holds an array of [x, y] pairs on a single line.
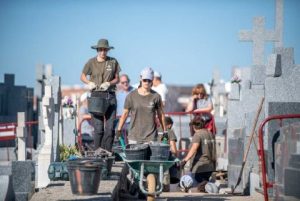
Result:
{"points": [[161, 175]]}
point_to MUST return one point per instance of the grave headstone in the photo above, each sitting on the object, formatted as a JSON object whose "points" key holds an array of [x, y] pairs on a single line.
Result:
{"points": [[21, 136], [274, 65], [45, 151], [279, 23], [6, 187], [55, 83], [23, 179], [45, 77], [13, 99]]}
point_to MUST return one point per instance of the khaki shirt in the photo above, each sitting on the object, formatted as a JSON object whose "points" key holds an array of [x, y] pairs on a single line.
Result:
{"points": [[203, 160], [101, 72], [143, 113]]}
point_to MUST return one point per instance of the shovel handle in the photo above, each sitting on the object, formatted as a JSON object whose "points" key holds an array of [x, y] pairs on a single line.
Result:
{"points": [[122, 142]]}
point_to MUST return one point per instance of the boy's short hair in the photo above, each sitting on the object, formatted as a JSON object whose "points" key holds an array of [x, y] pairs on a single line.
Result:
{"points": [[168, 120], [198, 122]]}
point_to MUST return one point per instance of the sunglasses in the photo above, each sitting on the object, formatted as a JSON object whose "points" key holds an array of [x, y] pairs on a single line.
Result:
{"points": [[147, 80], [102, 50]]}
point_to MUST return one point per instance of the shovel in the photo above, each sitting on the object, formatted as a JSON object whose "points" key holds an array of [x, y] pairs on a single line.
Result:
{"points": [[122, 142]]}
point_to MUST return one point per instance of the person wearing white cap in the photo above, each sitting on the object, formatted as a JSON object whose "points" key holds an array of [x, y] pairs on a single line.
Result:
{"points": [[143, 104], [160, 87]]}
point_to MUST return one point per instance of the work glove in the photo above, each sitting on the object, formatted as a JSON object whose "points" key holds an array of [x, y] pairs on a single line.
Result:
{"points": [[104, 86], [165, 137], [182, 164], [91, 85]]}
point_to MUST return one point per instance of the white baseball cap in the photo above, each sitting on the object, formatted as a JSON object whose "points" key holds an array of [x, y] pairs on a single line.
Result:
{"points": [[157, 74], [147, 73], [186, 182]]}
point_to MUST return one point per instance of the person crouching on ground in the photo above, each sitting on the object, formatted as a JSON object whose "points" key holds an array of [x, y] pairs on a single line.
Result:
{"points": [[202, 152]]}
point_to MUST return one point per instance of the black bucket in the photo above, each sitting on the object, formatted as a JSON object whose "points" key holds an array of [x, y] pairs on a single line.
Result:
{"points": [[116, 151], [110, 161], [160, 151], [107, 162], [137, 152], [84, 176], [97, 105]]}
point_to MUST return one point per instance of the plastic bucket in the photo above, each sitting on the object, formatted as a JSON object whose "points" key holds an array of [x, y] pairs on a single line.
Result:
{"points": [[107, 162], [116, 151], [97, 105], [137, 152], [159, 151], [84, 176], [58, 171]]}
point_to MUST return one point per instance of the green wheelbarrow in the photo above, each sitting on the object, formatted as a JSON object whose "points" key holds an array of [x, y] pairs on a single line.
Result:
{"points": [[150, 169]]}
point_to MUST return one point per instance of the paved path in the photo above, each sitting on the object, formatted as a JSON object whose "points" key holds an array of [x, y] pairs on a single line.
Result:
{"points": [[200, 197], [61, 190]]}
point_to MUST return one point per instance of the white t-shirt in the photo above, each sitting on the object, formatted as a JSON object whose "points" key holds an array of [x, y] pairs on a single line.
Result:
{"points": [[162, 90]]}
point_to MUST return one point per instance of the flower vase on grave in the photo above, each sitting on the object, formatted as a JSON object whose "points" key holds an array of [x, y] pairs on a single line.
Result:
{"points": [[69, 112], [235, 88], [69, 109]]}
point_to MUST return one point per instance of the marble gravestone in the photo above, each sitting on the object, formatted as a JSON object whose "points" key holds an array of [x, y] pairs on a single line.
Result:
{"points": [[245, 96], [45, 151]]}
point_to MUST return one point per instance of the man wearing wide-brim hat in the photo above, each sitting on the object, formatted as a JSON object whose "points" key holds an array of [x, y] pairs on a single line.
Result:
{"points": [[101, 74]]}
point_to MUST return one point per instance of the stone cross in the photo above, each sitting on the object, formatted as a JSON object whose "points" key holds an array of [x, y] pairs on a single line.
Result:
{"points": [[258, 36], [21, 136], [45, 152], [48, 114], [279, 23]]}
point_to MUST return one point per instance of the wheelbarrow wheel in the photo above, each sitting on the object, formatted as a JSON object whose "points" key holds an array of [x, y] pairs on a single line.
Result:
{"points": [[151, 186]]}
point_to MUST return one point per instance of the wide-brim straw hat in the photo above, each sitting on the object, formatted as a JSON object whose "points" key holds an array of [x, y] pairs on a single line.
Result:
{"points": [[102, 43]]}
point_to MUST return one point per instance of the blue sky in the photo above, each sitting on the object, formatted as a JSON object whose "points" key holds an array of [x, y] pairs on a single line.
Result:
{"points": [[184, 40]]}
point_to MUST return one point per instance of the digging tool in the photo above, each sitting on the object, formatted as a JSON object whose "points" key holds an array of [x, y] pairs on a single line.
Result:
{"points": [[122, 142], [249, 143]]}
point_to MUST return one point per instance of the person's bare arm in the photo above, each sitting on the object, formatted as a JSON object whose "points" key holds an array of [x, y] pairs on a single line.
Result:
{"points": [[209, 108], [190, 105], [192, 152], [84, 79], [123, 119], [161, 118], [173, 148], [115, 80]]}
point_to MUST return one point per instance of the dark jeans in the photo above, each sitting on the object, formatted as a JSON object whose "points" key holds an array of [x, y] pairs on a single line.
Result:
{"points": [[103, 125], [203, 176]]}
